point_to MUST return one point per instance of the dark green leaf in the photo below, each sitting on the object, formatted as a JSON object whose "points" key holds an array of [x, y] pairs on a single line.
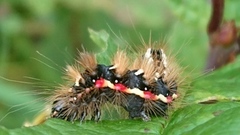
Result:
{"points": [[221, 118], [222, 84], [61, 127]]}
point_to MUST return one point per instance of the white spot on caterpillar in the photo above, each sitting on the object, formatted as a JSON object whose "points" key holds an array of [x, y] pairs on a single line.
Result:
{"points": [[164, 58], [148, 55], [70, 90], [174, 96], [162, 98], [113, 67], [164, 61], [157, 75], [140, 71]]}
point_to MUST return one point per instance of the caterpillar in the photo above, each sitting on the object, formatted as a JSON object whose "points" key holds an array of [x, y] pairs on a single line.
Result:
{"points": [[143, 89]]}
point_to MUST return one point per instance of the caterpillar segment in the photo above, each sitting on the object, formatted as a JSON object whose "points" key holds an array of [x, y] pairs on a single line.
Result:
{"points": [[139, 81], [166, 72], [83, 98], [155, 94]]}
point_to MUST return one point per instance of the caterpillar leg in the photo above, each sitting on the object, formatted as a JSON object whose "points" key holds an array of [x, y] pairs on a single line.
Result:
{"points": [[135, 107], [83, 116], [96, 115], [144, 116]]}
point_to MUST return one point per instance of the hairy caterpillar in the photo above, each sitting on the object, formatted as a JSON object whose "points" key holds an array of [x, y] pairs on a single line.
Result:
{"points": [[144, 88]]}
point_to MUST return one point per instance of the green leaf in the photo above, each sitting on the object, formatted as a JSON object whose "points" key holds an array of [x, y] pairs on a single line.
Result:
{"points": [[221, 118], [219, 112], [107, 46], [222, 84], [3, 131], [61, 127], [100, 38]]}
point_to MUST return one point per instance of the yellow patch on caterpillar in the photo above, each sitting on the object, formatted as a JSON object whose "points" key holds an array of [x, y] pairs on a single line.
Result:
{"points": [[41, 118]]}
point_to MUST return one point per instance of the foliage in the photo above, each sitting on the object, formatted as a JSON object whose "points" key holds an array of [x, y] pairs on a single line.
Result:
{"points": [[57, 29]]}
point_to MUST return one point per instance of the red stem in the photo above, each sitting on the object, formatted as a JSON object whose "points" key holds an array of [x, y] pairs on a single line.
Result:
{"points": [[217, 16]]}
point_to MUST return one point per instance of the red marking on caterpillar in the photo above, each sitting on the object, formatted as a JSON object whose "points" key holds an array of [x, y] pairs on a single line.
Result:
{"points": [[120, 87], [100, 83], [149, 95]]}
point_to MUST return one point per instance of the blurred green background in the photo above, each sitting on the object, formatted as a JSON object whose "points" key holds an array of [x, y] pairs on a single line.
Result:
{"points": [[58, 28]]}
